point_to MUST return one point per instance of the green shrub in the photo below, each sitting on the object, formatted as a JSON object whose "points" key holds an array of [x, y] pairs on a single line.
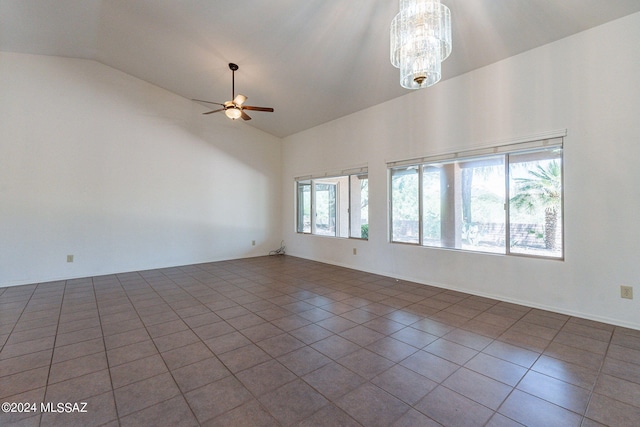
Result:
{"points": [[364, 231]]}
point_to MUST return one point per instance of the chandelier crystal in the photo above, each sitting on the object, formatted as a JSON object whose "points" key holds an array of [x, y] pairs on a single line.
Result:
{"points": [[420, 40]]}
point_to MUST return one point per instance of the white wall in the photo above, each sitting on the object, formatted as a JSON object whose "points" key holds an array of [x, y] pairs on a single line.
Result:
{"points": [[586, 84], [123, 175]]}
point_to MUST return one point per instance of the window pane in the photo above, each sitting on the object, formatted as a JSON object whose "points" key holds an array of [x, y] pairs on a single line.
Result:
{"points": [[535, 203], [359, 206], [404, 202], [463, 205], [304, 207], [482, 198], [325, 209], [342, 207], [431, 206]]}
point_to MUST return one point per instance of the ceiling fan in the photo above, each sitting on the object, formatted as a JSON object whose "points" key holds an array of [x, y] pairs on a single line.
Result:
{"points": [[234, 109]]}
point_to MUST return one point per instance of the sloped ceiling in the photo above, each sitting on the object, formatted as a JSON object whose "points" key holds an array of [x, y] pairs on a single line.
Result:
{"points": [[312, 60]]}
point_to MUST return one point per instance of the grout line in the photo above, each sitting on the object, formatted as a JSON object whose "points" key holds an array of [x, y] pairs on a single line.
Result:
{"points": [[236, 280], [595, 383], [106, 355]]}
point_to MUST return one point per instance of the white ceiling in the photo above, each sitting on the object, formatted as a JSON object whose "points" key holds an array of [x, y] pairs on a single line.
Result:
{"points": [[312, 60]]}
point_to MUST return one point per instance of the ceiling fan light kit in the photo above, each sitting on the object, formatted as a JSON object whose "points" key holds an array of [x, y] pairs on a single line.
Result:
{"points": [[234, 109], [233, 113], [420, 40]]}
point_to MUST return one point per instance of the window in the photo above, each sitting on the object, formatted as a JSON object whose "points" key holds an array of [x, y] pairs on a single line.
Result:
{"points": [[335, 206], [304, 206], [359, 206], [326, 216], [505, 200], [535, 203], [405, 209]]}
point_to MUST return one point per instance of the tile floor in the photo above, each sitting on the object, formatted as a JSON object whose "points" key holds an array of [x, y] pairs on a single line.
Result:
{"points": [[285, 341]]}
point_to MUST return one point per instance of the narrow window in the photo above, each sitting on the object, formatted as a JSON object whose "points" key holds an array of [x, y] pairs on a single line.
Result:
{"points": [[482, 209], [359, 209], [432, 192], [405, 206], [325, 209], [535, 203]]}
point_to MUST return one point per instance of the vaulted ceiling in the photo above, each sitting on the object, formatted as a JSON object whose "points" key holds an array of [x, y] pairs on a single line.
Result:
{"points": [[312, 60]]}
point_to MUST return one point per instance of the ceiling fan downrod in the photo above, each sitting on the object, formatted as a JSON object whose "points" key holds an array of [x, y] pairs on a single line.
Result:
{"points": [[233, 67]]}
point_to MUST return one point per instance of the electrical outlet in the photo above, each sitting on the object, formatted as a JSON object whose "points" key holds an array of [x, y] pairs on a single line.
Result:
{"points": [[69, 258], [626, 292], [253, 243], [355, 251]]}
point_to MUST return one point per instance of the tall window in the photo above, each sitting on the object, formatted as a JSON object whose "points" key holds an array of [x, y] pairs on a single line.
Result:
{"points": [[304, 206], [507, 203], [326, 222], [359, 206], [405, 206], [335, 206], [535, 203]]}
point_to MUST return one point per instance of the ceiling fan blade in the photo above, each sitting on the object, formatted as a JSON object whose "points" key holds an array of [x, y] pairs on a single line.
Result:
{"points": [[249, 107], [239, 99], [245, 116], [207, 102], [214, 111]]}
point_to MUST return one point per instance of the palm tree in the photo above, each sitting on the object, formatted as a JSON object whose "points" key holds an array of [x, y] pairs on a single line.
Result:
{"points": [[542, 189]]}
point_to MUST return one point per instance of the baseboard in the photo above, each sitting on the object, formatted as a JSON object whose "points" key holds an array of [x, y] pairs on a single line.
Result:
{"points": [[555, 309]]}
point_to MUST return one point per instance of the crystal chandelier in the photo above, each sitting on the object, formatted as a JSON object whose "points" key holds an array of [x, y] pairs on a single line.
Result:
{"points": [[420, 41]]}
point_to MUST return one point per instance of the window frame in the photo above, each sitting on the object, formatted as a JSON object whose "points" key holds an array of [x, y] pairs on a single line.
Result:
{"points": [[300, 225], [333, 209], [331, 179], [505, 152], [350, 204]]}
